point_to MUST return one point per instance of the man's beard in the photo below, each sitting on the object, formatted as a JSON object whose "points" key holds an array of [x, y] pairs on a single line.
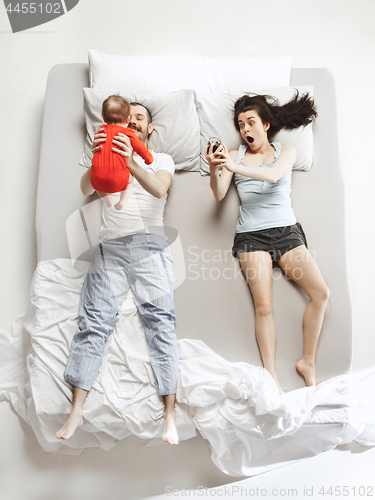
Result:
{"points": [[133, 126], [142, 136]]}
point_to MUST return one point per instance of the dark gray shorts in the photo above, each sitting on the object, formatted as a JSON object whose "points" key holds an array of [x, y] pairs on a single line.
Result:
{"points": [[276, 240]]}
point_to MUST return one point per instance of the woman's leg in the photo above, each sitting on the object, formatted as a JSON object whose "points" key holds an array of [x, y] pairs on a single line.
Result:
{"points": [[299, 265], [257, 268]]}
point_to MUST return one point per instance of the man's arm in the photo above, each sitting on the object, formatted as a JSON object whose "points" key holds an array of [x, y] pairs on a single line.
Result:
{"points": [[157, 184], [86, 186]]}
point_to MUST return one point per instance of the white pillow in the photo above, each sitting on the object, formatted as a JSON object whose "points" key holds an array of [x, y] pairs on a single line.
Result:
{"points": [[174, 117], [159, 74], [215, 113]]}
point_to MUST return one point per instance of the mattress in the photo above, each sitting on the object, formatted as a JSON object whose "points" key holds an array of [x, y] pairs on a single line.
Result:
{"points": [[213, 302]]}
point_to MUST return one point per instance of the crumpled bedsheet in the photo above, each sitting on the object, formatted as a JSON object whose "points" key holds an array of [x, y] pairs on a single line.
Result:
{"points": [[235, 406]]}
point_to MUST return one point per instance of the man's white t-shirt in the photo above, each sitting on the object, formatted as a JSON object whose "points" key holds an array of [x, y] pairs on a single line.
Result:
{"points": [[142, 212]]}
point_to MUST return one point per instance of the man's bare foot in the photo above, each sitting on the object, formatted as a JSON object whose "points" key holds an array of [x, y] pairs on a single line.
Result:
{"points": [[170, 434], [307, 370], [67, 430]]}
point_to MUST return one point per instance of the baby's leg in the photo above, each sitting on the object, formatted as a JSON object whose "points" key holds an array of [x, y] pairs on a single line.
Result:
{"points": [[124, 195], [106, 199]]}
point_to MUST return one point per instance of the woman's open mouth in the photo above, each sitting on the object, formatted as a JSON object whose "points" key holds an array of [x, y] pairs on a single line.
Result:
{"points": [[249, 139]]}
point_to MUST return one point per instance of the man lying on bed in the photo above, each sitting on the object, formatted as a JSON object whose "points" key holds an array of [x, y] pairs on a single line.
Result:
{"points": [[133, 252]]}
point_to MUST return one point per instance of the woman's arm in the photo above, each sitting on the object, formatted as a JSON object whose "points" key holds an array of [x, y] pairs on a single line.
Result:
{"points": [[157, 184], [281, 167], [219, 184]]}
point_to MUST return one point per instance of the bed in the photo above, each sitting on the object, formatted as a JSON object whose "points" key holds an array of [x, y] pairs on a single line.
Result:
{"points": [[318, 200], [235, 407]]}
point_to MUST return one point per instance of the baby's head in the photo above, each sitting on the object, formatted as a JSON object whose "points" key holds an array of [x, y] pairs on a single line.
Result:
{"points": [[116, 109]]}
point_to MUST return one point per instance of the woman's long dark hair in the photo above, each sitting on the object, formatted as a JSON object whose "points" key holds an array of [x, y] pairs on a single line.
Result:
{"points": [[300, 110]]}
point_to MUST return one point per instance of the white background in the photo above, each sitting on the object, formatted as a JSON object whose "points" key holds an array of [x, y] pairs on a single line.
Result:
{"points": [[336, 34]]}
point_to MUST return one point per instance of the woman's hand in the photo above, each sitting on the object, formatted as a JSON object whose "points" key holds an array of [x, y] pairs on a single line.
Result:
{"points": [[220, 158], [219, 183], [99, 137], [212, 156]]}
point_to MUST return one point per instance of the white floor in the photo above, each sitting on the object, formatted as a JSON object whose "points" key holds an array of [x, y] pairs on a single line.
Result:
{"points": [[349, 471]]}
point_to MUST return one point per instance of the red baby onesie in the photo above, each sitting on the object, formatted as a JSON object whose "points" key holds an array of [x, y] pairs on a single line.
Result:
{"points": [[109, 171]]}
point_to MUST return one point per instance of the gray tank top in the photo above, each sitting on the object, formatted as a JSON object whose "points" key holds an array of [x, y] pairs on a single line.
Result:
{"points": [[263, 204]]}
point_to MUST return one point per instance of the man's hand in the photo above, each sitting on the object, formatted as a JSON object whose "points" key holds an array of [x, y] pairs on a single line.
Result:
{"points": [[124, 148], [157, 184], [99, 137]]}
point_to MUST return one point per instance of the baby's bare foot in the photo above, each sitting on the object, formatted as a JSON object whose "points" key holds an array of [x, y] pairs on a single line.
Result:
{"points": [[67, 430], [107, 201], [307, 370], [119, 205], [170, 434]]}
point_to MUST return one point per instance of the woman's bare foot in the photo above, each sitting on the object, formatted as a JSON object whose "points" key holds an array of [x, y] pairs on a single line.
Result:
{"points": [[280, 389], [74, 421], [274, 376], [170, 434], [307, 370]]}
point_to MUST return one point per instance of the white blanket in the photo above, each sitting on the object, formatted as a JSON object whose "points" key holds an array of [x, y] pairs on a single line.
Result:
{"points": [[235, 406]]}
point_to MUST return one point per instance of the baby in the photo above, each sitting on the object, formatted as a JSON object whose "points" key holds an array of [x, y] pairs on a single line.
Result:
{"points": [[109, 171]]}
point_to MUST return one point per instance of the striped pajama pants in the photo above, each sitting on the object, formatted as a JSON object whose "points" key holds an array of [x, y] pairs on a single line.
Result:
{"points": [[144, 264]]}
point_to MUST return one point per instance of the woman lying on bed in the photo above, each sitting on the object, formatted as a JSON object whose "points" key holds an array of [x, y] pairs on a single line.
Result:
{"points": [[267, 229]]}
